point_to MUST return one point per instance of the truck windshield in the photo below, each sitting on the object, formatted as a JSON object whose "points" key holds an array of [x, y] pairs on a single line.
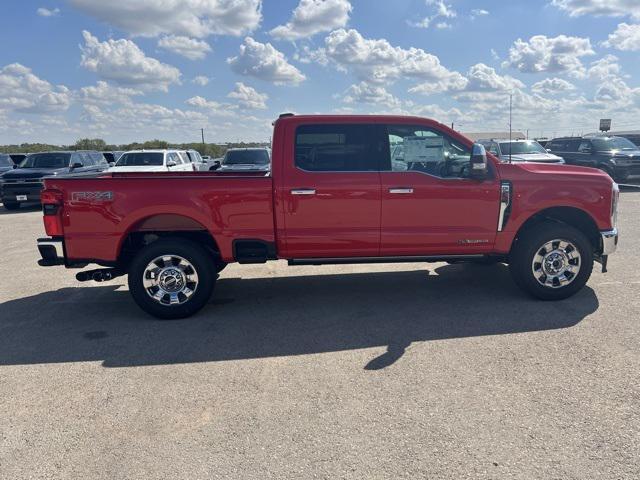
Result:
{"points": [[521, 148], [141, 159], [5, 161], [246, 157], [46, 160], [613, 143]]}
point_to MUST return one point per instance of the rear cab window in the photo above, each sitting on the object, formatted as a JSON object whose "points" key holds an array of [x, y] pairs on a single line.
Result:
{"points": [[339, 148]]}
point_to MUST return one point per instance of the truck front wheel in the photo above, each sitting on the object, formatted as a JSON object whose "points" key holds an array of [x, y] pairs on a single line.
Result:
{"points": [[551, 261], [172, 278]]}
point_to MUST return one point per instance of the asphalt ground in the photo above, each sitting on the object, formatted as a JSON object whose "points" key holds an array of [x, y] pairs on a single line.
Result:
{"points": [[356, 372]]}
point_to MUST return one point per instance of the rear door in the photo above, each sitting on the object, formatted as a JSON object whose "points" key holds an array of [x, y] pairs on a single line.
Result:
{"points": [[429, 205], [331, 190]]}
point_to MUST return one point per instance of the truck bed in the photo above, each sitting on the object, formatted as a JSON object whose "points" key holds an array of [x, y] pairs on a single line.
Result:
{"points": [[99, 211]]}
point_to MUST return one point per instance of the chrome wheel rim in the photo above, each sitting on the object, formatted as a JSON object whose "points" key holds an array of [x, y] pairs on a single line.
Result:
{"points": [[170, 280], [556, 263]]}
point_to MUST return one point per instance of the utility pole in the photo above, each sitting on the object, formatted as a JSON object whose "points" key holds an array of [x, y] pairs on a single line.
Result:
{"points": [[452, 126], [527, 134], [202, 132]]}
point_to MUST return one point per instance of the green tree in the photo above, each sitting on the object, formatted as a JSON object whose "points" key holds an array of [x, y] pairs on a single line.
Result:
{"points": [[90, 144]]}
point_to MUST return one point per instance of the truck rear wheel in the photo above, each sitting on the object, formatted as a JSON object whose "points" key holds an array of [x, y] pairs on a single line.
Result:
{"points": [[172, 278], [551, 261]]}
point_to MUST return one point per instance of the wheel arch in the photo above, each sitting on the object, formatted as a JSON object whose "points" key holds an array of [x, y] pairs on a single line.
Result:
{"points": [[576, 217], [150, 228]]}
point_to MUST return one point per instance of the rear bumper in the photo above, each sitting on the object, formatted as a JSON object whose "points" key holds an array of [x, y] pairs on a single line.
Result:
{"points": [[52, 252]]}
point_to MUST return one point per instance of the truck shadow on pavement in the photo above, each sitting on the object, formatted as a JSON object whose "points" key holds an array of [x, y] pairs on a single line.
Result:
{"points": [[282, 316]]}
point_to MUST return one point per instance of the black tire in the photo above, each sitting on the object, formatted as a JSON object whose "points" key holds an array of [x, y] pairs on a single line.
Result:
{"points": [[11, 205], [200, 259], [220, 266], [530, 243]]}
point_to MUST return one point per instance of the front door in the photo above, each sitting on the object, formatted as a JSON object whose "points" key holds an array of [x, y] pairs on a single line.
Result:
{"points": [[429, 205], [331, 191]]}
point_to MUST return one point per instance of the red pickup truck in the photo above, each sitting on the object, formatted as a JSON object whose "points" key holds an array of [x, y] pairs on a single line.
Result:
{"points": [[342, 189]]}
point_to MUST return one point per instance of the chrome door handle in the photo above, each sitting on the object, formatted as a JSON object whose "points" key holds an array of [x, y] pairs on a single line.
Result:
{"points": [[404, 191], [303, 191]]}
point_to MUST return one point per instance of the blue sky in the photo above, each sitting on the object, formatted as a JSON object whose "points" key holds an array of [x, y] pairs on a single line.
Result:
{"points": [[143, 69]]}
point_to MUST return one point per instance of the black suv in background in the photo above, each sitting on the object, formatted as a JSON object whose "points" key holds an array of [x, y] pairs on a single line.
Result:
{"points": [[617, 156], [23, 184]]}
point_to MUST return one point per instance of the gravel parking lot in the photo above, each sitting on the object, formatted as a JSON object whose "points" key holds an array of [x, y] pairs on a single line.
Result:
{"points": [[383, 371]]}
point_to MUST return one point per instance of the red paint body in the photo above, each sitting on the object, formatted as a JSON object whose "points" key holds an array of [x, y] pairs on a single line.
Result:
{"points": [[351, 214]]}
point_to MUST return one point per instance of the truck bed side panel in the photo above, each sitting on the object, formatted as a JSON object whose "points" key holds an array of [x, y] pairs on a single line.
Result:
{"points": [[96, 225]]}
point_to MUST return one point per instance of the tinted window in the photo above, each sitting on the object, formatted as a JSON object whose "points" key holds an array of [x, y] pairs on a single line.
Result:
{"points": [[17, 158], [246, 157], [427, 151], [556, 145], [338, 148], [5, 161], [46, 160], [585, 146], [141, 159], [613, 143], [573, 145], [109, 157]]}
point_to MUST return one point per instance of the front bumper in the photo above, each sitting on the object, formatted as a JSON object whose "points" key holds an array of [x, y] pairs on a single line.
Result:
{"points": [[609, 241], [27, 192], [52, 252], [609, 244]]}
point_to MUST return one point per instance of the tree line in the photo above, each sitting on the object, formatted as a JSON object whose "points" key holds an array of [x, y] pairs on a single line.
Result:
{"points": [[212, 149]]}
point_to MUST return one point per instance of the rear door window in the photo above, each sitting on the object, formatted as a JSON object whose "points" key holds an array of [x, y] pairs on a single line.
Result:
{"points": [[339, 148]]}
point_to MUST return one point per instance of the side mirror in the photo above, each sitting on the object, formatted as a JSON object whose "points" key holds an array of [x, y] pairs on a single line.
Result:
{"points": [[15, 166], [112, 164], [548, 150], [76, 165], [216, 165], [478, 169], [171, 163]]}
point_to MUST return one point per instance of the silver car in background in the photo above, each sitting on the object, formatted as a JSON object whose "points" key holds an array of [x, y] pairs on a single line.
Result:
{"points": [[519, 151]]}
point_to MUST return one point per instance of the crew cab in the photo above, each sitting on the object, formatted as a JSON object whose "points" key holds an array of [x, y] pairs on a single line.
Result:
{"points": [[334, 196], [24, 183]]}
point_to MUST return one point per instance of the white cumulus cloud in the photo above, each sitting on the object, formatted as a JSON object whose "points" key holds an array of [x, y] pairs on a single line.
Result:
{"points": [[610, 8], [552, 86], [377, 61], [249, 97], [549, 54], [201, 80], [626, 37], [46, 12], [191, 48], [193, 18], [314, 16], [264, 61], [123, 62], [22, 91]]}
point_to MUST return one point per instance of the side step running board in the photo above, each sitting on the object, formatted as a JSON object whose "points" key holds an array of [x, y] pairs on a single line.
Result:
{"points": [[355, 260]]}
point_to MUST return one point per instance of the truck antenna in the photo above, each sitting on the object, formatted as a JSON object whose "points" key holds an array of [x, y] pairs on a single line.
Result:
{"points": [[510, 129]]}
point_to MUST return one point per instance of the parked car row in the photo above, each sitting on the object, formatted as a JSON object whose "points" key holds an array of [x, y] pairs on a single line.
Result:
{"points": [[617, 156], [21, 175], [23, 183]]}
